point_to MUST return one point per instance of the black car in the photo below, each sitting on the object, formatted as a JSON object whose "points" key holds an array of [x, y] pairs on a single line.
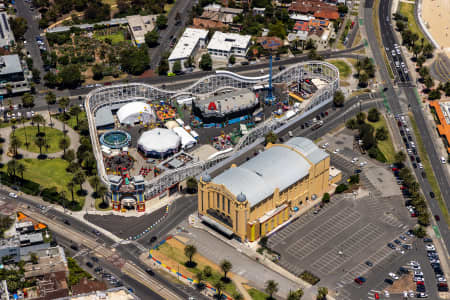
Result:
{"points": [[369, 263], [150, 272], [414, 151], [409, 138], [153, 239], [96, 232], [94, 259], [389, 281], [98, 269], [424, 175], [66, 222], [427, 240], [403, 270], [431, 194], [443, 288], [74, 247], [406, 247], [414, 165], [411, 157], [418, 159], [420, 288], [397, 242], [402, 132], [390, 245], [89, 264]]}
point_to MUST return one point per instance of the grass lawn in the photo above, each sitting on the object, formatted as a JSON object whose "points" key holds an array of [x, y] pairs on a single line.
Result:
{"points": [[115, 38], [52, 135], [98, 201], [172, 254], [50, 173], [357, 39], [386, 146], [407, 9], [72, 121], [257, 295], [429, 171], [344, 69]]}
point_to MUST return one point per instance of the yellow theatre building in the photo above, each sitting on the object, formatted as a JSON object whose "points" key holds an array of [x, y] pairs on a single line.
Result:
{"points": [[250, 200]]}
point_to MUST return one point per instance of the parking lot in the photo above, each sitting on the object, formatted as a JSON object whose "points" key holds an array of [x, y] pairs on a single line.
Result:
{"points": [[353, 228]]}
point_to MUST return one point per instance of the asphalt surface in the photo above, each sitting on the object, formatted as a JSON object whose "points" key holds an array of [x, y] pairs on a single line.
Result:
{"points": [[440, 68]]}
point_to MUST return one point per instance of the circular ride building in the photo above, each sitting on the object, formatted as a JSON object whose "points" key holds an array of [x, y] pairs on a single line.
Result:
{"points": [[159, 143]]}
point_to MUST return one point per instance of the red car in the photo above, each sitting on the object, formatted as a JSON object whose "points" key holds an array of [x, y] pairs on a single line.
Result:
{"points": [[377, 296], [420, 283], [358, 281], [413, 215], [403, 188], [394, 169]]}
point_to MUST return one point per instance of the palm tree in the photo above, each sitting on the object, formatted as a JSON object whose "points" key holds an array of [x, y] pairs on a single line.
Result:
{"points": [[297, 295], [80, 177], [75, 111], [15, 143], [358, 66], [40, 142], [189, 251], [50, 98], [94, 181], [11, 167], [219, 288], [38, 120], [226, 266], [102, 189], [64, 143], [21, 169], [200, 277], [322, 293], [63, 104], [71, 186], [271, 288]]}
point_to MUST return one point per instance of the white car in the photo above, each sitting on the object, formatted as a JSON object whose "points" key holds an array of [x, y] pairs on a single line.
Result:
{"points": [[430, 247], [416, 267], [442, 279], [417, 278], [420, 165], [386, 294], [422, 295], [443, 160], [393, 276], [12, 195], [418, 273], [324, 146], [336, 151], [413, 263]]}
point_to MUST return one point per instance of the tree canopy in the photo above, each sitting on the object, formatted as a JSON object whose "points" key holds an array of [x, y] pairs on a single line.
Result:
{"points": [[135, 60]]}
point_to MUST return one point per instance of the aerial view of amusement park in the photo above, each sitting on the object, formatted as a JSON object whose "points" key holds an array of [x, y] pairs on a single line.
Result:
{"points": [[224, 149]]}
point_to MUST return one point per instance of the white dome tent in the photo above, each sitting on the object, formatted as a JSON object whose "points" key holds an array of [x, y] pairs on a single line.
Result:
{"points": [[159, 142], [136, 112]]}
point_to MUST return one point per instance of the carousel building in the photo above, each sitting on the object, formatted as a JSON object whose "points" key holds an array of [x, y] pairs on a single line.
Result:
{"points": [[159, 143], [252, 199]]}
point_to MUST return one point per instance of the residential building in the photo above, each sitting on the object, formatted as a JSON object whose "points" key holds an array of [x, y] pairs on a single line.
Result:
{"points": [[310, 6], [12, 76], [6, 34], [86, 286], [250, 200], [50, 260], [49, 286], [258, 11], [139, 26], [326, 14], [191, 40], [270, 42], [10, 249], [227, 44], [217, 16]]}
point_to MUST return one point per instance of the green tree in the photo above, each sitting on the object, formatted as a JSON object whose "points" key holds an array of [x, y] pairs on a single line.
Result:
{"points": [[70, 76], [79, 178], [206, 62], [361, 117], [50, 98], [151, 38], [400, 157], [94, 181], [101, 192], [417, 49], [342, 8], [339, 98], [20, 168], [381, 134], [75, 111], [163, 67], [40, 142], [27, 100], [232, 60], [373, 115], [271, 288], [428, 81], [97, 71], [63, 104], [219, 288], [419, 232], [424, 72], [427, 50], [434, 95], [363, 79], [135, 60], [71, 187], [18, 26], [420, 60], [38, 120], [271, 137], [161, 21], [297, 295], [238, 296], [11, 167], [15, 144], [207, 271], [176, 68], [189, 251], [326, 198], [34, 258], [322, 293], [191, 184], [36, 75], [200, 277], [64, 143], [226, 266]]}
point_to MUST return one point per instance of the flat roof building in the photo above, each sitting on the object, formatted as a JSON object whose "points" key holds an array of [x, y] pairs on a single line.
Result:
{"points": [[12, 74], [140, 25], [227, 44], [252, 199], [191, 40], [6, 34]]}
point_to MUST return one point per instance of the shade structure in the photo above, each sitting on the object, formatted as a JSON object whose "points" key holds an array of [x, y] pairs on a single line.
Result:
{"points": [[136, 112]]}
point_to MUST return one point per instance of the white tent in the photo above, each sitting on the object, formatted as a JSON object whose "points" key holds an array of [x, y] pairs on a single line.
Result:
{"points": [[159, 141], [136, 112], [187, 141]]}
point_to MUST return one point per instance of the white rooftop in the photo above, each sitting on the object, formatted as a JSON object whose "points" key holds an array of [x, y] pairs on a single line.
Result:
{"points": [[226, 41], [187, 43]]}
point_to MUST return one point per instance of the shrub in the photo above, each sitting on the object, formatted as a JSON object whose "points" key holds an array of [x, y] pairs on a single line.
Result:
{"points": [[341, 188], [309, 277]]}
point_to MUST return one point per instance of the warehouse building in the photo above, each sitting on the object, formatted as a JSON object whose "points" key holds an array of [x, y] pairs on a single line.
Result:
{"points": [[227, 44], [251, 200], [191, 40]]}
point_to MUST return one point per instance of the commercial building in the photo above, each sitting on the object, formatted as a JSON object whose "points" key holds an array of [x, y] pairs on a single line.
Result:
{"points": [[442, 111], [12, 76], [191, 40], [139, 26], [159, 143], [226, 106], [227, 44], [127, 195], [6, 34], [10, 248], [251, 200]]}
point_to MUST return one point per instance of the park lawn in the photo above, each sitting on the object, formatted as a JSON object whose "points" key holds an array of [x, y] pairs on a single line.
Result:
{"points": [[171, 253], [257, 295], [429, 171], [344, 69], [407, 9], [50, 173], [72, 122], [98, 201], [115, 37], [52, 135], [386, 146]]}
